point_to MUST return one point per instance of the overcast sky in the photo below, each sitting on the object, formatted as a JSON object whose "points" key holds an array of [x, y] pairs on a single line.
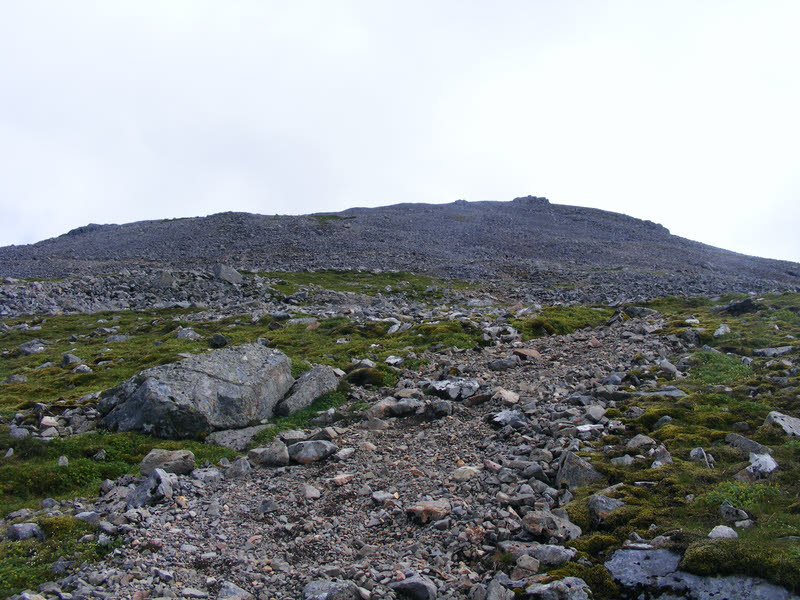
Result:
{"points": [[686, 113]]}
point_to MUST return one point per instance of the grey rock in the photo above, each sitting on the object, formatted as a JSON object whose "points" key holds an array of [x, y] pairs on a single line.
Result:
{"points": [[16, 378], [790, 425], [326, 589], [311, 451], [658, 570], [24, 531], [761, 465], [231, 591], [569, 588], [236, 439], [575, 472], [179, 462], [416, 587], [747, 445], [544, 524], [309, 386], [158, 487], [239, 468], [600, 507], [33, 347], [722, 531], [640, 441], [550, 555], [218, 341], [773, 352], [69, 360], [219, 390], [274, 455], [226, 273], [18, 433]]}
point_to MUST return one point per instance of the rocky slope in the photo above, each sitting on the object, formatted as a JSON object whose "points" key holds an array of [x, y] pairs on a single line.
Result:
{"points": [[527, 238]]}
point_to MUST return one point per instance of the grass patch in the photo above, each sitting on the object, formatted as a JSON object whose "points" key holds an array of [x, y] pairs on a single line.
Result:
{"points": [[32, 473], [561, 320]]}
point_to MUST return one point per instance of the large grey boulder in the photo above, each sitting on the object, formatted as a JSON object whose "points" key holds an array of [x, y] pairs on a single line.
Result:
{"points": [[224, 389], [309, 386]]}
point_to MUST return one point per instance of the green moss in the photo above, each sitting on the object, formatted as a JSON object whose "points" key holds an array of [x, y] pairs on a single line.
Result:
{"points": [[597, 577], [299, 420], [32, 473], [27, 564], [714, 369], [775, 561], [561, 320]]}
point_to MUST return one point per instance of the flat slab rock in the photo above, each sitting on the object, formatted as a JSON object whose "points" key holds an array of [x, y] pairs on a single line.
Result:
{"points": [[658, 569], [225, 389]]}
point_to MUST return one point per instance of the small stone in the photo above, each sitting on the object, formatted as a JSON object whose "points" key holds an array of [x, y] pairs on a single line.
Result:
{"points": [[218, 341], [600, 507], [311, 451], [239, 468], [310, 492], [722, 330], [429, 510], [63, 461], [723, 531], [464, 473], [640, 441], [231, 591]]}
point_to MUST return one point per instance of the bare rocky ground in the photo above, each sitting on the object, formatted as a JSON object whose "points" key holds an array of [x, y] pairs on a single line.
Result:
{"points": [[455, 483], [457, 497]]}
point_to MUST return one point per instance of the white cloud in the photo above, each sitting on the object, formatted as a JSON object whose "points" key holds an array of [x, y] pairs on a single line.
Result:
{"points": [[683, 113]]}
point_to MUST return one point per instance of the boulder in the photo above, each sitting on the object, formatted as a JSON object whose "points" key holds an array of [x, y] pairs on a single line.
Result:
{"points": [[309, 386], [224, 389], [172, 461]]}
